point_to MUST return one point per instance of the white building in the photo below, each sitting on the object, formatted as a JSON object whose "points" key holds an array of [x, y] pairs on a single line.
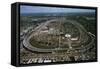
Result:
{"points": [[67, 35]]}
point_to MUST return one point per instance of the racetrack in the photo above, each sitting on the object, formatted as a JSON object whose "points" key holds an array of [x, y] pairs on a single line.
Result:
{"points": [[82, 39]]}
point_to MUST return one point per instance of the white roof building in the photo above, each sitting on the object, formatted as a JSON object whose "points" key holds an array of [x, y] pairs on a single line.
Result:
{"points": [[74, 38], [67, 35]]}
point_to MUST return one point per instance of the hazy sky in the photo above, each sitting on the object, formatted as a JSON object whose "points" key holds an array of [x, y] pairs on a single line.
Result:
{"points": [[38, 9]]}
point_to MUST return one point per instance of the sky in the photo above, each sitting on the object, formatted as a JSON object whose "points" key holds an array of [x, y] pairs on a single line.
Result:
{"points": [[39, 9]]}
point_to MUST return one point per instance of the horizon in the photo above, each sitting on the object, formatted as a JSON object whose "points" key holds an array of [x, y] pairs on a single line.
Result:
{"points": [[41, 9]]}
